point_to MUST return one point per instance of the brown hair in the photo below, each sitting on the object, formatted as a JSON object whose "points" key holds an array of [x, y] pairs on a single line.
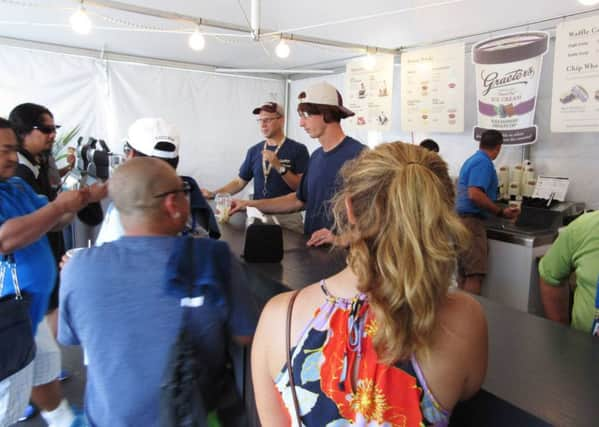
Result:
{"points": [[330, 113], [403, 242]]}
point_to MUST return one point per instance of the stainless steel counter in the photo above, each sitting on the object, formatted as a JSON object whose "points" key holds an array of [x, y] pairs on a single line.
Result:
{"points": [[504, 231]]}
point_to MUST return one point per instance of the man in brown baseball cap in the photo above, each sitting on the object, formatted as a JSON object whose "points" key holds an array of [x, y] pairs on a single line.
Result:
{"points": [[276, 164], [321, 110]]}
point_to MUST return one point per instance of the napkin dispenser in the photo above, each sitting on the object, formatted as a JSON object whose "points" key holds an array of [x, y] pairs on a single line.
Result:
{"points": [[263, 239]]}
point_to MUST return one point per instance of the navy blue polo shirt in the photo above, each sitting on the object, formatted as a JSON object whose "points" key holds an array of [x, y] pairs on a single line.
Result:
{"points": [[320, 182], [293, 155], [477, 171]]}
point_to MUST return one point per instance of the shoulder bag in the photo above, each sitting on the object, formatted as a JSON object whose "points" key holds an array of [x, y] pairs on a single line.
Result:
{"points": [[17, 344]]}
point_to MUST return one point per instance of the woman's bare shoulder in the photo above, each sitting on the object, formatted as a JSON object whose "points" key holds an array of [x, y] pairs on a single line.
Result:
{"points": [[461, 311]]}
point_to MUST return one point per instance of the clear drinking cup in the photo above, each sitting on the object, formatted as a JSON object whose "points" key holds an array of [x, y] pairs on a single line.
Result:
{"points": [[223, 206], [114, 161]]}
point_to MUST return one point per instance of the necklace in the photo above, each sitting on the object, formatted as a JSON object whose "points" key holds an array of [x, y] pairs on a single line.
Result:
{"points": [[266, 167]]}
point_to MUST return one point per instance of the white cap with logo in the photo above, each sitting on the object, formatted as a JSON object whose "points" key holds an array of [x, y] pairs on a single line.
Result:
{"points": [[154, 137]]}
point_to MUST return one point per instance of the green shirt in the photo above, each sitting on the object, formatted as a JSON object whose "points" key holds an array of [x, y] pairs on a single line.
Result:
{"points": [[576, 249]]}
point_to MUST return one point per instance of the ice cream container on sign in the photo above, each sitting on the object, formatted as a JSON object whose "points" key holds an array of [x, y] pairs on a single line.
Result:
{"points": [[508, 69]]}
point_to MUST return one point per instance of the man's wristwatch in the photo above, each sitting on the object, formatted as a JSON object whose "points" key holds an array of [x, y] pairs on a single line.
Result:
{"points": [[282, 170]]}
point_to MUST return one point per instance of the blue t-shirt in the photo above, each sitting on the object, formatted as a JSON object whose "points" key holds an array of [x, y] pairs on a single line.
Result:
{"points": [[121, 302], [36, 267], [293, 155], [320, 182], [477, 171]]}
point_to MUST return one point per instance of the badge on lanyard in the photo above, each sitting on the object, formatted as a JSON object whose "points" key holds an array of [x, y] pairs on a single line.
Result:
{"points": [[595, 328], [266, 167]]}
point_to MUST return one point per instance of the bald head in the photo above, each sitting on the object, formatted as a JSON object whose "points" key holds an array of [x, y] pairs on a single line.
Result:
{"points": [[135, 184]]}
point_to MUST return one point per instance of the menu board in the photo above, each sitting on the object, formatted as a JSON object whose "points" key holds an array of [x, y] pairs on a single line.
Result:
{"points": [[432, 89], [369, 92], [575, 98]]}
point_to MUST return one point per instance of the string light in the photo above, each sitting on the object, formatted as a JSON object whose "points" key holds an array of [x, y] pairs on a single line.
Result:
{"points": [[80, 22], [282, 50], [197, 40], [370, 62]]}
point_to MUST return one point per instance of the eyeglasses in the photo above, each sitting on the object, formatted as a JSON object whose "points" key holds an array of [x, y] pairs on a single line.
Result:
{"points": [[185, 189], [127, 149], [6, 149], [267, 120], [47, 129]]}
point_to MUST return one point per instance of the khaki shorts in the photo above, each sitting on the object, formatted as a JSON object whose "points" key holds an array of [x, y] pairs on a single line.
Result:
{"points": [[45, 368], [292, 221], [473, 261]]}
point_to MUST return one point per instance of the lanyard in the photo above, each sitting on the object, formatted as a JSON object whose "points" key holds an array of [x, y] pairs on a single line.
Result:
{"points": [[595, 327], [266, 166]]}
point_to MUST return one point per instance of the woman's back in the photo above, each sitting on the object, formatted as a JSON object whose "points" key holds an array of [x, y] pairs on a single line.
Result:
{"points": [[339, 379], [385, 341]]}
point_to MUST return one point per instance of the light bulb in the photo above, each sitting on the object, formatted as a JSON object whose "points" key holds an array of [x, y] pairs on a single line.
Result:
{"points": [[80, 22], [282, 49], [588, 2], [197, 41], [370, 62]]}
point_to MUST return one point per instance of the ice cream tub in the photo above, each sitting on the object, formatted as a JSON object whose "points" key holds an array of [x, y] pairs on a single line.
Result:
{"points": [[508, 69]]}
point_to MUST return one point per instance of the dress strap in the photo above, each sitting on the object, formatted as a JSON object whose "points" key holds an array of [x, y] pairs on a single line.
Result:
{"points": [[344, 303]]}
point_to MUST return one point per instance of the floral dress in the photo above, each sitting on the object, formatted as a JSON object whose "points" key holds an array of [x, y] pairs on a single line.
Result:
{"points": [[336, 342]]}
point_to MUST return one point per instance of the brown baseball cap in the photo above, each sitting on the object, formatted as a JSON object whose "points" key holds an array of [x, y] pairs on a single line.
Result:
{"points": [[270, 107]]}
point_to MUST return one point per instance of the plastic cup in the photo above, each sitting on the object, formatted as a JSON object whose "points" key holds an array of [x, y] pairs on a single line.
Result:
{"points": [[72, 251], [223, 206]]}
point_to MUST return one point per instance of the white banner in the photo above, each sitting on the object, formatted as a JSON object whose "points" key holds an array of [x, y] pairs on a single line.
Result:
{"points": [[575, 96], [369, 92], [432, 89]]}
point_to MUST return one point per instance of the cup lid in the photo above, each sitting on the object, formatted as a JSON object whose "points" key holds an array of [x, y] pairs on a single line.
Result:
{"points": [[510, 48]]}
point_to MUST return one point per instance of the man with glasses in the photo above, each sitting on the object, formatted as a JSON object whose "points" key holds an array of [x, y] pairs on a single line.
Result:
{"points": [[276, 164], [154, 137], [321, 111], [128, 313]]}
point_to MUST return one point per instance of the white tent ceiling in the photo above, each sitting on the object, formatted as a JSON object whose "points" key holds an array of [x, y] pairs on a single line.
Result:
{"points": [[408, 23]]}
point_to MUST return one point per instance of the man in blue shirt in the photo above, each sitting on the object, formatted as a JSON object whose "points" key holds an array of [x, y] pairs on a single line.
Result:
{"points": [[276, 164], [25, 218], [321, 111], [122, 301], [477, 192]]}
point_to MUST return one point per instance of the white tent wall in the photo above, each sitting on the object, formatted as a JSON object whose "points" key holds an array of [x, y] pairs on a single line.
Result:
{"points": [[71, 87], [212, 112], [572, 155]]}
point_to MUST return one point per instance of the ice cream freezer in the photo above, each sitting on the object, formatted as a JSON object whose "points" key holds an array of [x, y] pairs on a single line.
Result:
{"points": [[514, 254]]}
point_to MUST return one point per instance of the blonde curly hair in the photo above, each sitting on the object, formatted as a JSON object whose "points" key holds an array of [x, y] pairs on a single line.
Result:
{"points": [[404, 239]]}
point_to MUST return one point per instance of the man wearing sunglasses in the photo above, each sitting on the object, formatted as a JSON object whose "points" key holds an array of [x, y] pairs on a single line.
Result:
{"points": [[321, 111], [276, 164], [154, 137], [25, 219]]}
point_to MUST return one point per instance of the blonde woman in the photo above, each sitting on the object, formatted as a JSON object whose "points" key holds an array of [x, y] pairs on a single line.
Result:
{"points": [[385, 341]]}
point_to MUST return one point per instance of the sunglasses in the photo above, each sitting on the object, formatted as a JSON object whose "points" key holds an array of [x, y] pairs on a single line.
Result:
{"points": [[185, 189], [47, 129]]}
